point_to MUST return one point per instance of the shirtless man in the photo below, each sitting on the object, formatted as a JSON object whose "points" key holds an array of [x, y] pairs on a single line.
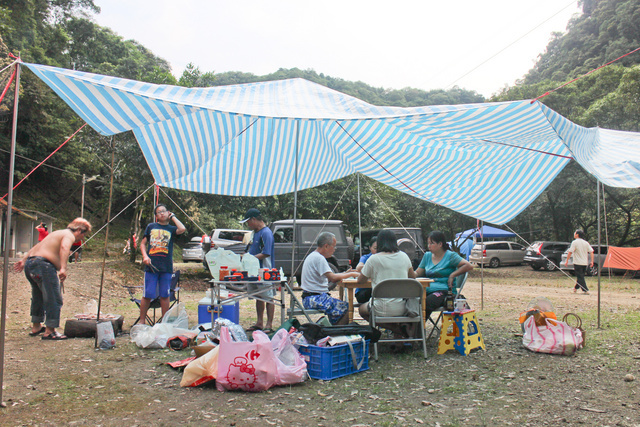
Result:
{"points": [[45, 266]]}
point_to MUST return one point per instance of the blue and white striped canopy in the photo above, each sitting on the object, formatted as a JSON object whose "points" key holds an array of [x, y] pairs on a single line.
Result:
{"points": [[243, 140]]}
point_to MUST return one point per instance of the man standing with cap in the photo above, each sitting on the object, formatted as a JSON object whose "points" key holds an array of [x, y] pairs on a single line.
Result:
{"points": [[261, 247]]}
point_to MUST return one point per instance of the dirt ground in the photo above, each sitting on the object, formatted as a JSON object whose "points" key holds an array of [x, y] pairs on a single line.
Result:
{"points": [[70, 383]]}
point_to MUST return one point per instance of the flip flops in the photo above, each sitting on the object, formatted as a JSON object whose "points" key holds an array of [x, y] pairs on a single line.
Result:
{"points": [[56, 336], [33, 334], [258, 328]]}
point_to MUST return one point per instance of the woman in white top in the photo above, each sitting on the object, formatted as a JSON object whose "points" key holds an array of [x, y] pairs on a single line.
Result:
{"points": [[388, 263]]}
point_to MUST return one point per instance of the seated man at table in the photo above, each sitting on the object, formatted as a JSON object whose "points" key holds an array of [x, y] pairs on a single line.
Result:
{"points": [[316, 275]]}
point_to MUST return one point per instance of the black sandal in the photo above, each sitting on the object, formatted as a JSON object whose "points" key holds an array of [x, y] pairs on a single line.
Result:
{"points": [[56, 336], [33, 334]]}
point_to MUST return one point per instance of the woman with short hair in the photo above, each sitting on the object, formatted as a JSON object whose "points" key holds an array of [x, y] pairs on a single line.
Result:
{"points": [[388, 263]]}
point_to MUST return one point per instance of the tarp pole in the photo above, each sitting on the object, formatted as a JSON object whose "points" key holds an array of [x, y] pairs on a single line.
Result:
{"points": [[359, 218], [293, 246], [7, 231], [106, 241], [295, 205], [481, 265], [599, 249]]}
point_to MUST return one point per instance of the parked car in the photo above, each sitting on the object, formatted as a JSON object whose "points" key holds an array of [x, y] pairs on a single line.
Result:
{"points": [[599, 255], [229, 239], [546, 255], [224, 237], [307, 231], [497, 253], [193, 251], [410, 241]]}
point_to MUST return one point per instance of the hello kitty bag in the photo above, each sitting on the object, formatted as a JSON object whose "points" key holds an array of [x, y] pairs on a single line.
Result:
{"points": [[244, 365]]}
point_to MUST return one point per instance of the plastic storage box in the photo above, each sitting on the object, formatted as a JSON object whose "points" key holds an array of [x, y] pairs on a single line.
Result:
{"points": [[229, 311], [327, 363]]}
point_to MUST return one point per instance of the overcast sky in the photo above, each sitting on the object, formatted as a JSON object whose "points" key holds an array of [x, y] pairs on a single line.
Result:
{"points": [[480, 45]]}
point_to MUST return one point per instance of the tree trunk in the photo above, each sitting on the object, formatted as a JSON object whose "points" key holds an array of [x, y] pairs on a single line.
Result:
{"points": [[75, 328], [135, 228]]}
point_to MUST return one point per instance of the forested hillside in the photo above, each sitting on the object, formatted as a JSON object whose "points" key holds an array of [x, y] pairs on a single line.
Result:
{"points": [[62, 33]]}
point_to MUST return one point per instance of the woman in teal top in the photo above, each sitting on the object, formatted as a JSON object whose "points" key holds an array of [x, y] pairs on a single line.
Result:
{"points": [[442, 265]]}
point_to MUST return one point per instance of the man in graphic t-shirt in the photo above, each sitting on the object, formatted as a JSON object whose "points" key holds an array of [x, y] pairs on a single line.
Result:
{"points": [[157, 255]]}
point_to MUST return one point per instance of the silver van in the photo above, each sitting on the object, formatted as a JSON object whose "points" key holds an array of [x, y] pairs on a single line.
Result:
{"points": [[496, 254]]}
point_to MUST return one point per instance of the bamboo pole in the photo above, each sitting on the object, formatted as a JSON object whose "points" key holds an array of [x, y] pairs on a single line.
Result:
{"points": [[106, 241]]}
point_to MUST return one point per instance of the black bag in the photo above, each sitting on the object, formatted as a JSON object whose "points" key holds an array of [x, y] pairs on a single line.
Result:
{"points": [[313, 332]]}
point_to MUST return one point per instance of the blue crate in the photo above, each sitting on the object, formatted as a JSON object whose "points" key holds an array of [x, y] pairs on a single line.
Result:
{"points": [[327, 363]]}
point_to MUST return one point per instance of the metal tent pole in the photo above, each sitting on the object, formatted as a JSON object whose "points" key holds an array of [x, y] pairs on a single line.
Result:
{"points": [[7, 230], [106, 241], [482, 266], [293, 299], [359, 216], [599, 250], [295, 202]]}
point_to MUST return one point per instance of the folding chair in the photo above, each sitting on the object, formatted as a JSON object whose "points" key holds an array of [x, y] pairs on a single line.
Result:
{"points": [[399, 288], [460, 281], [174, 297], [296, 308]]}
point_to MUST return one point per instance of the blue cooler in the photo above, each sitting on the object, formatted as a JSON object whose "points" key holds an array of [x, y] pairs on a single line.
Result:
{"points": [[230, 310]]}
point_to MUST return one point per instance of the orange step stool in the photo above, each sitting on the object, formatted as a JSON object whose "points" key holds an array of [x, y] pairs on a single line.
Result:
{"points": [[465, 334]]}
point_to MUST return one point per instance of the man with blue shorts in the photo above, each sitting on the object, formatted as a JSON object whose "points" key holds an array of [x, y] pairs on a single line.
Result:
{"points": [[157, 255], [316, 275], [262, 247]]}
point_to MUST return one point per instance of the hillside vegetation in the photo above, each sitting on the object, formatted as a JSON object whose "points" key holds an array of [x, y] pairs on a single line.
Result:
{"points": [[63, 34]]}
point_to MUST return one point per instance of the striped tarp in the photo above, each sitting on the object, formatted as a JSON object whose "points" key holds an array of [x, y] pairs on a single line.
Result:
{"points": [[243, 140]]}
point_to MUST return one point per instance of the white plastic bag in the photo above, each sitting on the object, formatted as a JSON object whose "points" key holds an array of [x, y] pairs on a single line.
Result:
{"points": [[221, 257], [250, 264], [177, 317], [174, 322], [106, 337]]}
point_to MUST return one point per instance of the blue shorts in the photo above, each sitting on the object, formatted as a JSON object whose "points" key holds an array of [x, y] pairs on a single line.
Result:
{"points": [[157, 285], [332, 307]]}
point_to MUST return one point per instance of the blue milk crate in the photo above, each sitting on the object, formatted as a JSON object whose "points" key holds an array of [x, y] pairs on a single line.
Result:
{"points": [[327, 363]]}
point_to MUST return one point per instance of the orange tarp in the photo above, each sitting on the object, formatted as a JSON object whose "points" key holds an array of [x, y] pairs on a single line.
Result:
{"points": [[623, 258]]}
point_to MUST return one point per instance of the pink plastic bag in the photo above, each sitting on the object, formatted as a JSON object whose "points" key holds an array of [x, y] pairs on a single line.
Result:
{"points": [[244, 365], [555, 338], [291, 367]]}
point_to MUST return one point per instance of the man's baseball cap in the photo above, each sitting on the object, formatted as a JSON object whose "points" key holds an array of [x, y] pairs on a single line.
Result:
{"points": [[251, 213]]}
